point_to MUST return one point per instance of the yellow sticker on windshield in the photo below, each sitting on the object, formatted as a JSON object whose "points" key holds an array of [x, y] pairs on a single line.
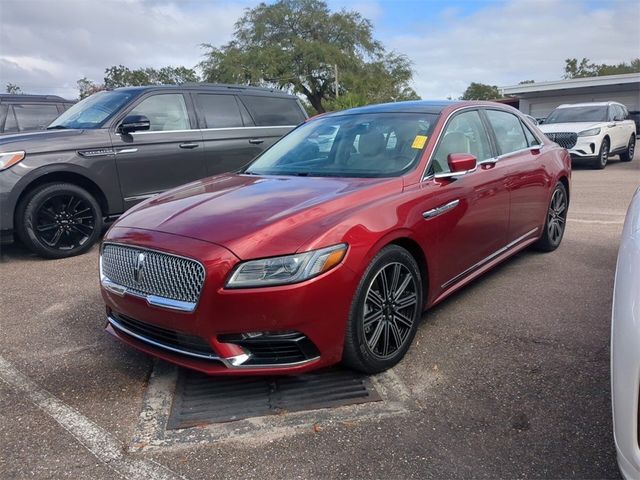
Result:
{"points": [[419, 141]]}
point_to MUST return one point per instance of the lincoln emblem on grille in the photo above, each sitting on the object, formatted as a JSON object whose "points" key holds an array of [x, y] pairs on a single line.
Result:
{"points": [[137, 270]]}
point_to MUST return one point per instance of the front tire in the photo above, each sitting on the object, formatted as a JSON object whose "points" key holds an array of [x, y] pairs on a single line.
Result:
{"points": [[556, 220], [385, 312], [59, 220], [627, 155], [603, 156]]}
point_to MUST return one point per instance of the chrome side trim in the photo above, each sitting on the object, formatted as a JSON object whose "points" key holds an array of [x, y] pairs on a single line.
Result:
{"points": [[434, 212], [454, 174], [135, 198], [126, 150], [235, 362], [486, 260], [115, 324], [97, 152], [209, 129]]}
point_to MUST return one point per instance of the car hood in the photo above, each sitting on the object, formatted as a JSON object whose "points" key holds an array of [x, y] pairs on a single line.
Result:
{"points": [[256, 216], [41, 141], [569, 127]]}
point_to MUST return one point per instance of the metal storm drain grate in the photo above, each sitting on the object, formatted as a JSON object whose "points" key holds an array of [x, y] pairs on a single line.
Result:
{"points": [[201, 399]]}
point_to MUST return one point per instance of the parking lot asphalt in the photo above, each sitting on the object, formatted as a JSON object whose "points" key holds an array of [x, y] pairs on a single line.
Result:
{"points": [[509, 378]]}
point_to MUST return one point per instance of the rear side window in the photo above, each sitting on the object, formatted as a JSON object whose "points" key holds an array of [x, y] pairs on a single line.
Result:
{"points": [[531, 139], [508, 131], [34, 117], [165, 112], [268, 111], [219, 111]]}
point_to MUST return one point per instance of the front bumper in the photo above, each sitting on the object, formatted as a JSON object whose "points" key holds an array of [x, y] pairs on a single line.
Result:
{"points": [[222, 329], [586, 148]]}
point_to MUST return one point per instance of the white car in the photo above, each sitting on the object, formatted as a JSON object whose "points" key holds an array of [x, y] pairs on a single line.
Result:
{"points": [[592, 131], [625, 345]]}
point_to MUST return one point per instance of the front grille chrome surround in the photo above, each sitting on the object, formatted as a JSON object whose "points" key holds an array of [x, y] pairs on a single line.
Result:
{"points": [[564, 139], [164, 280]]}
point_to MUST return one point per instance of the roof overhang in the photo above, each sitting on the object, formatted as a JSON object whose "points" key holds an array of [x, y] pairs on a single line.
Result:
{"points": [[572, 84]]}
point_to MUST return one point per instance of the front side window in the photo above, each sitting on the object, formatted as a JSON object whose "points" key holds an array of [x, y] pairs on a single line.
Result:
{"points": [[220, 111], [361, 145], [595, 113], [508, 131], [167, 111], [93, 111], [34, 117], [464, 133]]}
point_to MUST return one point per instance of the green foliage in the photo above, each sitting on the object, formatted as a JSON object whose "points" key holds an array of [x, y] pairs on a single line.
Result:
{"points": [[575, 69], [13, 89], [121, 76], [296, 45], [481, 91], [87, 87]]}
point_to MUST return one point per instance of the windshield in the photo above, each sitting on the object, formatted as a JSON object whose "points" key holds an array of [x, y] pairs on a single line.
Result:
{"points": [[365, 145], [578, 114], [93, 111]]}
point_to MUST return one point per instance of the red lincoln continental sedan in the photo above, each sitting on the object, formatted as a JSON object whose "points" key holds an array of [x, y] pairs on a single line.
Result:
{"points": [[331, 245]]}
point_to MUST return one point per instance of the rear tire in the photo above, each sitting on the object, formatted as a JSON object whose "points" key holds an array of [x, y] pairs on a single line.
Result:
{"points": [[385, 312], [556, 220], [59, 220], [603, 155], [627, 155]]}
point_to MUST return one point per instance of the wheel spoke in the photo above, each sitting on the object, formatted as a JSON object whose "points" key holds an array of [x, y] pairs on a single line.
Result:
{"points": [[84, 230], [375, 317], [47, 227], [373, 341], [394, 279], [403, 286], [375, 298], [75, 214], [397, 337], [403, 319], [385, 339], [56, 237], [385, 284], [408, 301]]}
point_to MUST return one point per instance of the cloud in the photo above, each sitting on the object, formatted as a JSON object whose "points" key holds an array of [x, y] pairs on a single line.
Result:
{"points": [[46, 46], [507, 42]]}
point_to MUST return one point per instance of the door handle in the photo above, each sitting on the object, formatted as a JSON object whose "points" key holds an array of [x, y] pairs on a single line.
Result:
{"points": [[189, 145], [256, 141]]}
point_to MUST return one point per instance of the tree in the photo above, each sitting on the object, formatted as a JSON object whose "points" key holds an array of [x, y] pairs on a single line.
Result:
{"points": [[121, 76], [298, 45], [481, 91], [13, 89], [575, 69], [87, 87]]}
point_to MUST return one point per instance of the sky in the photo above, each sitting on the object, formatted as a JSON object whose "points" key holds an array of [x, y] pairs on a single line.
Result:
{"points": [[47, 45]]}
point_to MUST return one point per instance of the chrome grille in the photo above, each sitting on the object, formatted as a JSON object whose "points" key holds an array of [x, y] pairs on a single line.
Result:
{"points": [[162, 275], [564, 139]]}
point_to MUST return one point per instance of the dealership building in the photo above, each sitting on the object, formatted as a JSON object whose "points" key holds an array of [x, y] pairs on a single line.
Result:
{"points": [[540, 98]]}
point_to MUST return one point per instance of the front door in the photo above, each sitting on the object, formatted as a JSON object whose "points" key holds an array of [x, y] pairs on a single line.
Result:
{"points": [[169, 154], [465, 218]]}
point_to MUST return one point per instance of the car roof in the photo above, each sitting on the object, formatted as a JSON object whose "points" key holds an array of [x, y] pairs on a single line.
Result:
{"points": [[588, 104], [217, 87], [24, 97], [416, 106]]}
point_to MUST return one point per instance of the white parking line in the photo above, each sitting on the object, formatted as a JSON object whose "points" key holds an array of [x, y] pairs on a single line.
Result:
{"points": [[91, 436], [596, 222]]}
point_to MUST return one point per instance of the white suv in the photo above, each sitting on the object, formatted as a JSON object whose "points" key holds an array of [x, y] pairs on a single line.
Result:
{"points": [[592, 131]]}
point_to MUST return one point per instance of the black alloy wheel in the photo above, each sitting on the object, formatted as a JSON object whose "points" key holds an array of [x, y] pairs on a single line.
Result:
{"points": [[603, 155], [385, 312], [555, 221], [59, 220], [627, 155]]}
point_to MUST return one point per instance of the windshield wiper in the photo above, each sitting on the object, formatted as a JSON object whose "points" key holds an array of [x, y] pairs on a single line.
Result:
{"points": [[57, 127]]}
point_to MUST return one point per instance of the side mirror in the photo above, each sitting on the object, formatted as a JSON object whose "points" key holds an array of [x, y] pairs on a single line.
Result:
{"points": [[134, 123], [459, 164]]}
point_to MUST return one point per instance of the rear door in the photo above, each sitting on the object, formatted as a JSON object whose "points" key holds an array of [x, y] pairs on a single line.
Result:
{"points": [[169, 154], [522, 157], [230, 140], [620, 132]]}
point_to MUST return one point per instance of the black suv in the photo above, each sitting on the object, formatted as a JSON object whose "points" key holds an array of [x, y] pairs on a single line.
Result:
{"points": [[24, 113], [118, 147]]}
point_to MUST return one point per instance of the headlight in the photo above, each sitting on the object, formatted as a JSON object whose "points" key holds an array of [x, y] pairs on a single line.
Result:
{"points": [[285, 270], [589, 133], [9, 159]]}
